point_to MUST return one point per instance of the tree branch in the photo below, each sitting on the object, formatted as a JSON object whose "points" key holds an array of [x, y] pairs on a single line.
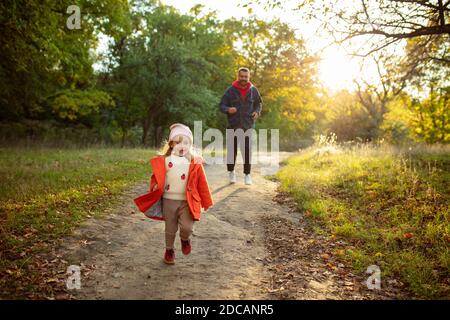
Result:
{"points": [[426, 31]]}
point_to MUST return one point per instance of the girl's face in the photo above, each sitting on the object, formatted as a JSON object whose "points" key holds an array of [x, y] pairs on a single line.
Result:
{"points": [[181, 146]]}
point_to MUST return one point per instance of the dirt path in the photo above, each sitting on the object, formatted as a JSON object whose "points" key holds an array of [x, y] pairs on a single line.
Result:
{"points": [[235, 251]]}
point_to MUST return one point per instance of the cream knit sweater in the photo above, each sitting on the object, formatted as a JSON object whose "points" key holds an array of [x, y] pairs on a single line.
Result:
{"points": [[177, 170]]}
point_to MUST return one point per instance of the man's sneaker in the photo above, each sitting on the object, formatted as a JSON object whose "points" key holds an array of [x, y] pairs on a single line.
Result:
{"points": [[169, 256], [232, 176], [248, 179], [186, 246]]}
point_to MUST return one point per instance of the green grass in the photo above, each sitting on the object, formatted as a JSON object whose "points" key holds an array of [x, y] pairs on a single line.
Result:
{"points": [[45, 193], [392, 205]]}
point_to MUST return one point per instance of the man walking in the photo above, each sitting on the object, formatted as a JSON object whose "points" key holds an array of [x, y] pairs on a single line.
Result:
{"points": [[242, 104]]}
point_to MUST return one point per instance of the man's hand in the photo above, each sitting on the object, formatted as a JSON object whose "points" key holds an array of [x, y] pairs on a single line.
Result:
{"points": [[232, 110], [255, 115]]}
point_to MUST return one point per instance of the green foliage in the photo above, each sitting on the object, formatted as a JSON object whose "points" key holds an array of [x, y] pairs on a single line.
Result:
{"points": [[397, 124], [162, 66], [431, 120], [73, 104], [166, 70], [424, 120], [407, 120], [41, 56]]}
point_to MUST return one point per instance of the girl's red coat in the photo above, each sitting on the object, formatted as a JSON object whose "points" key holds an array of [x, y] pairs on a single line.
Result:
{"points": [[197, 190]]}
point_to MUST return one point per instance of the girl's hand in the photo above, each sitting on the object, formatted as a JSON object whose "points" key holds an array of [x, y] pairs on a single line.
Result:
{"points": [[155, 187]]}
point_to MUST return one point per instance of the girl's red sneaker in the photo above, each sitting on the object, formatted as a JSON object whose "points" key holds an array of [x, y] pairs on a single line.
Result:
{"points": [[186, 246], [169, 256]]}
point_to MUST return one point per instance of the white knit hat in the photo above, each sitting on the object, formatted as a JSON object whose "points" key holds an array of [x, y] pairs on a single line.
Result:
{"points": [[180, 129]]}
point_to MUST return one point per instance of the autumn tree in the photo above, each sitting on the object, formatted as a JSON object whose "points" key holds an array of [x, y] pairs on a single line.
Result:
{"points": [[286, 75]]}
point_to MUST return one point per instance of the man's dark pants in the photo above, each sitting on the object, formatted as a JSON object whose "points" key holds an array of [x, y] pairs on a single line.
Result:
{"points": [[244, 138]]}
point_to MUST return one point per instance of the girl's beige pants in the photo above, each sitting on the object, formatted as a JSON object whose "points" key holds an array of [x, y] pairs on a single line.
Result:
{"points": [[176, 213]]}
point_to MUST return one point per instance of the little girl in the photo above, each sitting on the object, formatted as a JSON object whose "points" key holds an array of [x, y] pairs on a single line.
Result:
{"points": [[178, 190]]}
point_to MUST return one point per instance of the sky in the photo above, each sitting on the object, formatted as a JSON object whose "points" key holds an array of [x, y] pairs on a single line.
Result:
{"points": [[336, 70]]}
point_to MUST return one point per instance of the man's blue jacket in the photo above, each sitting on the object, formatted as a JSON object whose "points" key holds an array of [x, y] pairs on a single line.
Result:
{"points": [[245, 106]]}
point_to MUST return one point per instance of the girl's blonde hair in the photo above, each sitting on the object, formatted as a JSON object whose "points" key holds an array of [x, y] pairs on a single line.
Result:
{"points": [[167, 147]]}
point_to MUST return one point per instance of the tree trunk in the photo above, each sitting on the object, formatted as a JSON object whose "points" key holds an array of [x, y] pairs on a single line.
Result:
{"points": [[145, 129], [157, 136], [124, 134]]}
